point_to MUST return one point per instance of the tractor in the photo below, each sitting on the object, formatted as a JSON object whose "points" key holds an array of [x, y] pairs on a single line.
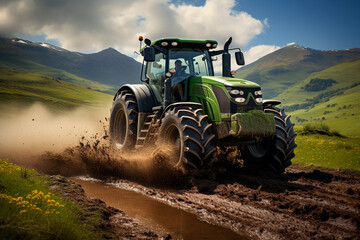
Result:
{"points": [[183, 104]]}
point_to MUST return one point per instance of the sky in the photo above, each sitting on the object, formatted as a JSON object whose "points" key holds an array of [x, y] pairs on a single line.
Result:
{"points": [[258, 27]]}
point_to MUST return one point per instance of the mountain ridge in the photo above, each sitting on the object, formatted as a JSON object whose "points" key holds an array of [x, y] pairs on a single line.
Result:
{"points": [[108, 66]]}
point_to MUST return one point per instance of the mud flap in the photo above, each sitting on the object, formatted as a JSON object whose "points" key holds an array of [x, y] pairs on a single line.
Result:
{"points": [[254, 123]]}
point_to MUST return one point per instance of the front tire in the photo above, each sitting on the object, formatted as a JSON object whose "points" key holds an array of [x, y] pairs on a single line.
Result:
{"points": [[275, 152], [123, 121], [188, 133]]}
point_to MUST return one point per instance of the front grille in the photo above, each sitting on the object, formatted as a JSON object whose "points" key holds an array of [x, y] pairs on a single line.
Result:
{"points": [[226, 106]]}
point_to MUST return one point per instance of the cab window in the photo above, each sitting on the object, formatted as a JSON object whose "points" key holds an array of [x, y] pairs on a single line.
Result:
{"points": [[155, 74]]}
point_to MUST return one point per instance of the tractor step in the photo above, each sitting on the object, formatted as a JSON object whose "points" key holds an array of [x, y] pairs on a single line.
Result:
{"points": [[144, 132]]}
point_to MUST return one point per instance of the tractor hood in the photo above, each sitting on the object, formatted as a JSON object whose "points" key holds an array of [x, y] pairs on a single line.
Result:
{"points": [[225, 96], [225, 81]]}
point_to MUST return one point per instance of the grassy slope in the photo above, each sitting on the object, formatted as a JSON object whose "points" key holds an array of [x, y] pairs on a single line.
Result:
{"points": [[326, 151], [345, 119], [345, 74], [23, 88], [18, 64], [29, 210]]}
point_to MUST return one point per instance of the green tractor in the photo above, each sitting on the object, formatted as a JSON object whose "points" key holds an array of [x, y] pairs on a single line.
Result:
{"points": [[183, 104]]}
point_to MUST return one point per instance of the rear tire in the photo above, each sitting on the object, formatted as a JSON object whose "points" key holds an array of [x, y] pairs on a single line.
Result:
{"points": [[275, 152], [188, 133], [123, 121]]}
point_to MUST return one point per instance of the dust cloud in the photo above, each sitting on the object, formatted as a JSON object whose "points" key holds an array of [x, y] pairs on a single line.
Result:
{"points": [[77, 143], [29, 132]]}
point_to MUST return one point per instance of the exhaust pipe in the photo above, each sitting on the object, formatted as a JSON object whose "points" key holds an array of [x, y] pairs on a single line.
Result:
{"points": [[226, 59]]}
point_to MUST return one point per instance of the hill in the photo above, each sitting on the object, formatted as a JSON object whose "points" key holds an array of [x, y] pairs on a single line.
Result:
{"points": [[23, 89], [337, 104], [108, 67], [285, 67], [23, 65]]}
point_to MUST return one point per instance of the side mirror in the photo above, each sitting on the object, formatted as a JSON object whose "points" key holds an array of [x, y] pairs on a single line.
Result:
{"points": [[240, 60], [149, 54]]}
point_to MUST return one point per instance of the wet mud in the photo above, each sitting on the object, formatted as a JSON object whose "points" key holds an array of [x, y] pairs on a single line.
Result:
{"points": [[155, 214], [114, 223], [298, 204]]}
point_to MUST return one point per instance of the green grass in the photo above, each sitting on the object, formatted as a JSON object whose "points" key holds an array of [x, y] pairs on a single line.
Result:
{"points": [[29, 210], [341, 112], [327, 151], [345, 74], [24, 89], [23, 65]]}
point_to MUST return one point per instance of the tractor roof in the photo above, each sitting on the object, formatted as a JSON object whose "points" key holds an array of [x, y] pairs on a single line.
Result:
{"points": [[182, 43]]}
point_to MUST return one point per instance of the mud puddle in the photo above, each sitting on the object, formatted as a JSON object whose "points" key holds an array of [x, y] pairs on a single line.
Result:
{"points": [[181, 224]]}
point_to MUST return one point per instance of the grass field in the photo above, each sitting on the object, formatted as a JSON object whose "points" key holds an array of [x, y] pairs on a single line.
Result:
{"points": [[23, 65], [24, 89], [327, 151], [29, 210], [345, 74], [340, 112], [340, 106]]}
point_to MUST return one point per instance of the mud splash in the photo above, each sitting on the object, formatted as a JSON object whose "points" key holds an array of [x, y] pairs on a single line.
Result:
{"points": [[148, 166], [77, 143]]}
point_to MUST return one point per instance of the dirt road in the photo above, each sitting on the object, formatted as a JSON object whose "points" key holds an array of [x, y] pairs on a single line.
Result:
{"points": [[298, 204]]}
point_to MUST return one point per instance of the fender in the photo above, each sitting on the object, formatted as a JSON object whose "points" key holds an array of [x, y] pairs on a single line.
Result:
{"points": [[271, 102], [177, 104], [143, 96]]}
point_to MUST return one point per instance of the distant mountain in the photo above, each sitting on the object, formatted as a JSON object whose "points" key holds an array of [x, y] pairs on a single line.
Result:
{"points": [[108, 67], [285, 67]]}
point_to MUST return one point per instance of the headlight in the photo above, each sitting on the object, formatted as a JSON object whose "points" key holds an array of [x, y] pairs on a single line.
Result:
{"points": [[208, 44], [257, 93], [240, 100], [214, 45], [259, 100], [174, 44], [164, 44], [235, 91]]}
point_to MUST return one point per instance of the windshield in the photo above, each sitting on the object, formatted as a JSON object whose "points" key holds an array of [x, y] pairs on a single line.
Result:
{"points": [[184, 63], [194, 62]]}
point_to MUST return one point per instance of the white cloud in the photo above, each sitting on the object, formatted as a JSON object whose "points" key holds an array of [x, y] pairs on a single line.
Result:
{"points": [[258, 52], [85, 25], [251, 55]]}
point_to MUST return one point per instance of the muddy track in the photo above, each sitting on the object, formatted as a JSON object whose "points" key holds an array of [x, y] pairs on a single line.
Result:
{"points": [[113, 223], [299, 204]]}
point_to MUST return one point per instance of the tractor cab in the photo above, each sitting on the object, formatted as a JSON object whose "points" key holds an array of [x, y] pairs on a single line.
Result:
{"points": [[179, 60]]}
